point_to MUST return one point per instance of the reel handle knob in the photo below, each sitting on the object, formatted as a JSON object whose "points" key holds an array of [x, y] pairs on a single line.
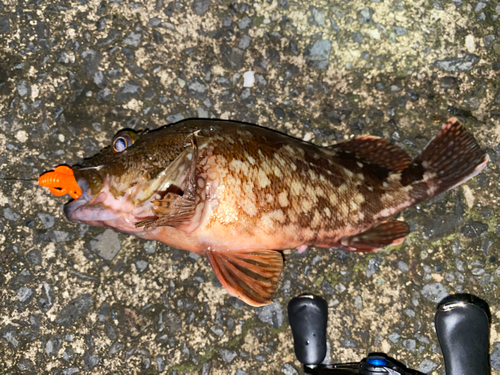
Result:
{"points": [[462, 327], [308, 315]]}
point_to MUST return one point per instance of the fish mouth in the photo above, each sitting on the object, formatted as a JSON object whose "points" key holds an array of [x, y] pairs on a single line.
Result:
{"points": [[71, 207], [87, 208], [83, 211], [106, 210]]}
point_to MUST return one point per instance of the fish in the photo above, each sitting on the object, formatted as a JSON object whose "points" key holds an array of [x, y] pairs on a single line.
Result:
{"points": [[240, 194]]}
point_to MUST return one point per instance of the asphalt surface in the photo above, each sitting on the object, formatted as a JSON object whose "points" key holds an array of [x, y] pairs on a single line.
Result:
{"points": [[76, 299]]}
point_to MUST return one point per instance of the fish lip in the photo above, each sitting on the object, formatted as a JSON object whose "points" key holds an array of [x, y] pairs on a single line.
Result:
{"points": [[90, 211], [71, 207], [82, 181]]}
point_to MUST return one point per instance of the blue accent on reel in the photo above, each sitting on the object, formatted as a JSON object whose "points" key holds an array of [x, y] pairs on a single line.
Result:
{"points": [[376, 361]]}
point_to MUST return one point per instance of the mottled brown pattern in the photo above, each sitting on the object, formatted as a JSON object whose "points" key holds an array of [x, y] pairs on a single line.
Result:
{"points": [[251, 183], [271, 173], [270, 181]]}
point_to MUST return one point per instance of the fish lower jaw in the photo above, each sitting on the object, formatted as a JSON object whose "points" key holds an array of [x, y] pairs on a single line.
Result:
{"points": [[121, 222], [125, 224], [108, 212]]}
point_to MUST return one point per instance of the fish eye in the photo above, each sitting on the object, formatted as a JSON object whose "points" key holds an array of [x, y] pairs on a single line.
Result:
{"points": [[123, 140]]}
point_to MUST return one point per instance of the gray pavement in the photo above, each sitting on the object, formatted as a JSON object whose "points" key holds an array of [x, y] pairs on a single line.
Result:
{"points": [[77, 299]]}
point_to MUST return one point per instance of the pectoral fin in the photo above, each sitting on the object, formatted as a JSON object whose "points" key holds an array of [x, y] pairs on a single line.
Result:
{"points": [[250, 275], [173, 210], [383, 234]]}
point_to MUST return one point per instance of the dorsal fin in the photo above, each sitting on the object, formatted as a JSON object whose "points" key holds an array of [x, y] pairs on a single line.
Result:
{"points": [[377, 151]]}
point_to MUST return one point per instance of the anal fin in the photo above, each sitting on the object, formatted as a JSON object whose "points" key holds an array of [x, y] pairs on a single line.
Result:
{"points": [[250, 275], [386, 233]]}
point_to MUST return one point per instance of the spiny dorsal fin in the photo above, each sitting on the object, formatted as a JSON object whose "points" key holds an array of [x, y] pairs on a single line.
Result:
{"points": [[376, 151], [250, 275]]}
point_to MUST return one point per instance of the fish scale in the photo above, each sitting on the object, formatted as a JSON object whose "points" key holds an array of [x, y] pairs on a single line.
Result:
{"points": [[239, 193], [298, 195]]}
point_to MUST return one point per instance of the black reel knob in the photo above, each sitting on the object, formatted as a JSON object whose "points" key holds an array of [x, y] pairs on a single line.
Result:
{"points": [[462, 327], [308, 315]]}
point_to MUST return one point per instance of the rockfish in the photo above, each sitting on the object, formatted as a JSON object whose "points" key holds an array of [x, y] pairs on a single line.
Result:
{"points": [[239, 194]]}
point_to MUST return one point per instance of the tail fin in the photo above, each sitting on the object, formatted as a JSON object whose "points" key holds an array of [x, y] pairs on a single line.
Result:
{"points": [[449, 160]]}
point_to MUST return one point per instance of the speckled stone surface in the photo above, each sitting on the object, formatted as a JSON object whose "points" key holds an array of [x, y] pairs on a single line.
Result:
{"points": [[78, 299]]}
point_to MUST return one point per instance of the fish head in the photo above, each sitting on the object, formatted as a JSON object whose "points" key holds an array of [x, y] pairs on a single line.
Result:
{"points": [[120, 183]]}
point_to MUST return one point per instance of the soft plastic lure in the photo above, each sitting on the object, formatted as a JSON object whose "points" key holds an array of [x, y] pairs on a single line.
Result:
{"points": [[61, 181]]}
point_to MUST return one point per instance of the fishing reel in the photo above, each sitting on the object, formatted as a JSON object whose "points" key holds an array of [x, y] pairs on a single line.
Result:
{"points": [[462, 326]]}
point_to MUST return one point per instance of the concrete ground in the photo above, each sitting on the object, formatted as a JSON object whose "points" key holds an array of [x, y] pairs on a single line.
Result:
{"points": [[75, 298]]}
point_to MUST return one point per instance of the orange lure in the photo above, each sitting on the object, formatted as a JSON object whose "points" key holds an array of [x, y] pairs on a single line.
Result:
{"points": [[61, 181]]}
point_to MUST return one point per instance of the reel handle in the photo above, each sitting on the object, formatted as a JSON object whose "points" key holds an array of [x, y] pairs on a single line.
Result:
{"points": [[308, 315], [462, 327]]}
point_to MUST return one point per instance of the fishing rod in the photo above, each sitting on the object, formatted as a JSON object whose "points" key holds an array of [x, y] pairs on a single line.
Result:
{"points": [[462, 323]]}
